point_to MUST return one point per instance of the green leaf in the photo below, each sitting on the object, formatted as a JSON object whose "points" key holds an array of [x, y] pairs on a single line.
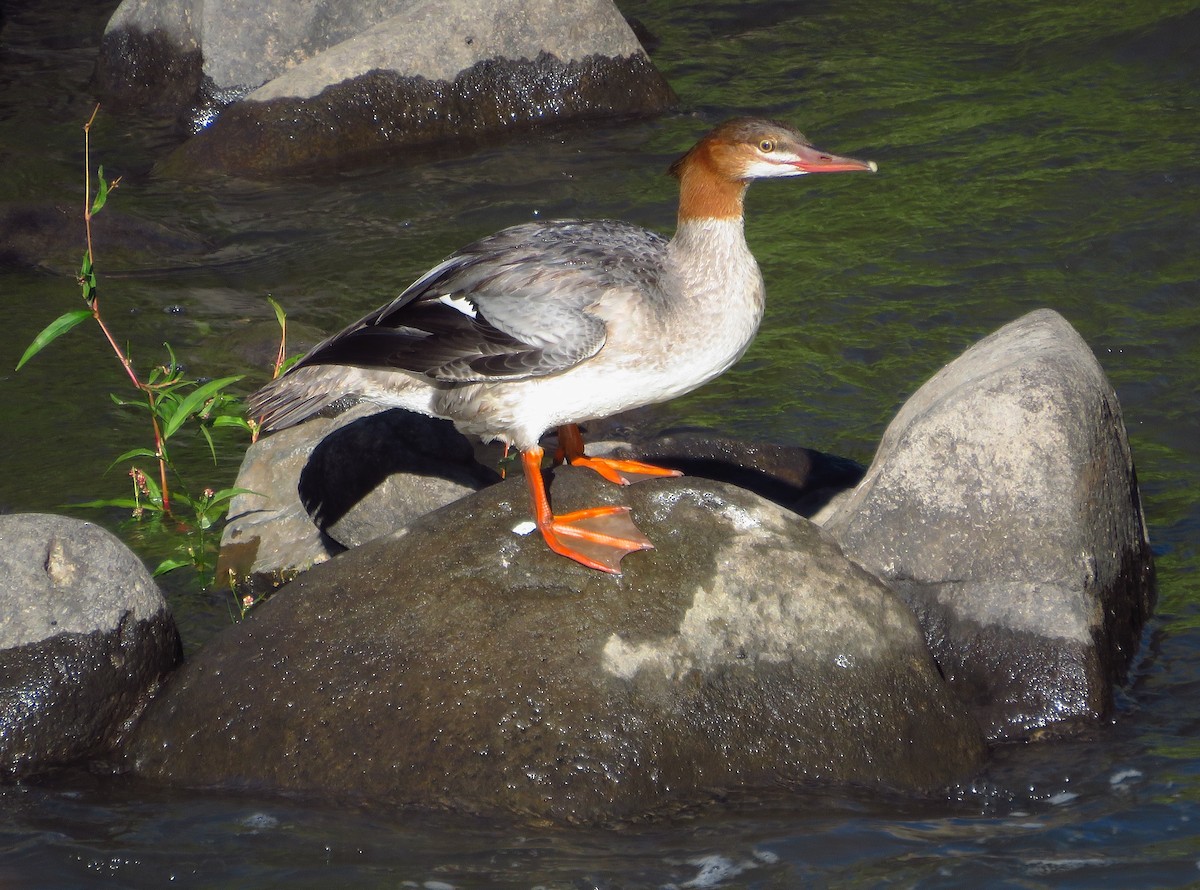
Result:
{"points": [[170, 565], [130, 455], [125, 503], [223, 420], [280, 315], [212, 448], [53, 331], [226, 494], [101, 192], [123, 402], [194, 402]]}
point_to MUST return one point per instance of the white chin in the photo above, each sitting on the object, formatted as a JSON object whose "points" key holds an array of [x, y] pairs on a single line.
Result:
{"points": [[765, 169]]}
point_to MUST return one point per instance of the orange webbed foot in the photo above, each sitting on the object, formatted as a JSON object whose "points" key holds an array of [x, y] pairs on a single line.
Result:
{"points": [[622, 472], [598, 537]]}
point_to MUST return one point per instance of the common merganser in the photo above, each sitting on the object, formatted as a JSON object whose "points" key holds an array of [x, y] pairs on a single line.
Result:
{"points": [[549, 324]]}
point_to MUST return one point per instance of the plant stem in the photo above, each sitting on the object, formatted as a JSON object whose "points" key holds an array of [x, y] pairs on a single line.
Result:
{"points": [[94, 305]]}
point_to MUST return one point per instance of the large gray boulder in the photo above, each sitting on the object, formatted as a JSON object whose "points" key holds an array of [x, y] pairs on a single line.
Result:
{"points": [[85, 638], [313, 83], [461, 664], [1003, 505]]}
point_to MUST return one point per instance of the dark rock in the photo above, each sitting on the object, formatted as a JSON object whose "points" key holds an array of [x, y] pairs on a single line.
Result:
{"points": [[52, 238], [458, 664], [800, 479], [85, 638], [153, 66], [1003, 505], [383, 112]]}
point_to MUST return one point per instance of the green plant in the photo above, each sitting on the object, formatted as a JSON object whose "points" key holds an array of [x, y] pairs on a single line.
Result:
{"points": [[172, 401]]}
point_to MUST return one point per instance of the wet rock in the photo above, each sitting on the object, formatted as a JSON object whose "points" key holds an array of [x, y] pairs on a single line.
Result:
{"points": [[85, 638], [170, 54], [305, 90], [458, 664], [1003, 505]]}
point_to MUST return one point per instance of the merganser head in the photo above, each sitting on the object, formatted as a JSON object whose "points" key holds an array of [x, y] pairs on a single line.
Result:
{"points": [[752, 148], [714, 174]]}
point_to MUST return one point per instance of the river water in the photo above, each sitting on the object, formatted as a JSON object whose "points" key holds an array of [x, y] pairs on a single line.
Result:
{"points": [[1031, 154]]}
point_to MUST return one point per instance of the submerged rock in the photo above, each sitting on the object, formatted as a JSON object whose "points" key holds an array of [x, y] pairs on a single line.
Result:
{"points": [[85, 638], [1003, 505], [279, 88], [459, 664]]}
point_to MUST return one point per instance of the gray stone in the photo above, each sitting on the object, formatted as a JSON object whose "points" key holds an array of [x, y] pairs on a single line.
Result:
{"points": [[85, 637], [459, 664], [1003, 505], [235, 45], [333, 483], [439, 41], [306, 86]]}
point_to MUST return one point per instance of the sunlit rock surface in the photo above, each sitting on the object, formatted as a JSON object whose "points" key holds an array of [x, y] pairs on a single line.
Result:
{"points": [[273, 86], [461, 664], [1003, 505], [85, 637]]}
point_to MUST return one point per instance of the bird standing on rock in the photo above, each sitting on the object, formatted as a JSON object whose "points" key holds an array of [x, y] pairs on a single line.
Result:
{"points": [[547, 325]]}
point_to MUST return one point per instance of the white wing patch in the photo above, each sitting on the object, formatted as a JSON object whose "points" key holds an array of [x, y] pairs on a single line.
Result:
{"points": [[460, 303]]}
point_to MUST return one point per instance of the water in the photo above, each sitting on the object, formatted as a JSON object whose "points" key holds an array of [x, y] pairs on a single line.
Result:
{"points": [[1031, 155]]}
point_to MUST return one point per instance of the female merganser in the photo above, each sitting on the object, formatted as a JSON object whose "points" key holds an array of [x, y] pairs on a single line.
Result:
{"points": [[547, 325]]}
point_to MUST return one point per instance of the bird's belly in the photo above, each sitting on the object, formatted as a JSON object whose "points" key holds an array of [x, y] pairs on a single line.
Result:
{"points": [[618, 378]]}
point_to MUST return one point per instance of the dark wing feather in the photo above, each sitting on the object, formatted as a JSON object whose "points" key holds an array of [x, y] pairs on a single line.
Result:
{"points": [[531, 288]]}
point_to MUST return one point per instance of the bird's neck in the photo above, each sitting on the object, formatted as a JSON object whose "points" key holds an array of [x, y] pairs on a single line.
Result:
{"points": [[710, 268], [705, 193]]}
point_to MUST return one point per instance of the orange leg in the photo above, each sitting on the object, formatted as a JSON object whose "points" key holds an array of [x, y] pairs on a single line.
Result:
{"points": [[597, 538], [622, 472]]}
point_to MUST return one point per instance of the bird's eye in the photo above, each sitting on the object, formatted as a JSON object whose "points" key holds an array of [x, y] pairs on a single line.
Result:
{"points": [[766, 146]]}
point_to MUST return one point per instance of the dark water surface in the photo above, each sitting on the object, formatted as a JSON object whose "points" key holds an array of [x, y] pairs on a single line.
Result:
{"points": [[1031, 154]]}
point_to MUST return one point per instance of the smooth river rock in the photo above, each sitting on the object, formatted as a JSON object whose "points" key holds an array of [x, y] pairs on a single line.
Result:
{"points": [[85, 638], [460, 664], [1003, 505]]}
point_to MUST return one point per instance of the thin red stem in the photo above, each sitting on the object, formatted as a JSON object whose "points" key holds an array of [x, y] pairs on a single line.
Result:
{"points": [[159, 445]]}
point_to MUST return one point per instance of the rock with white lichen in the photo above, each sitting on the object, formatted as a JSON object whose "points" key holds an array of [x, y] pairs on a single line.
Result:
{"points": [[987, 579], [461, 664]]}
